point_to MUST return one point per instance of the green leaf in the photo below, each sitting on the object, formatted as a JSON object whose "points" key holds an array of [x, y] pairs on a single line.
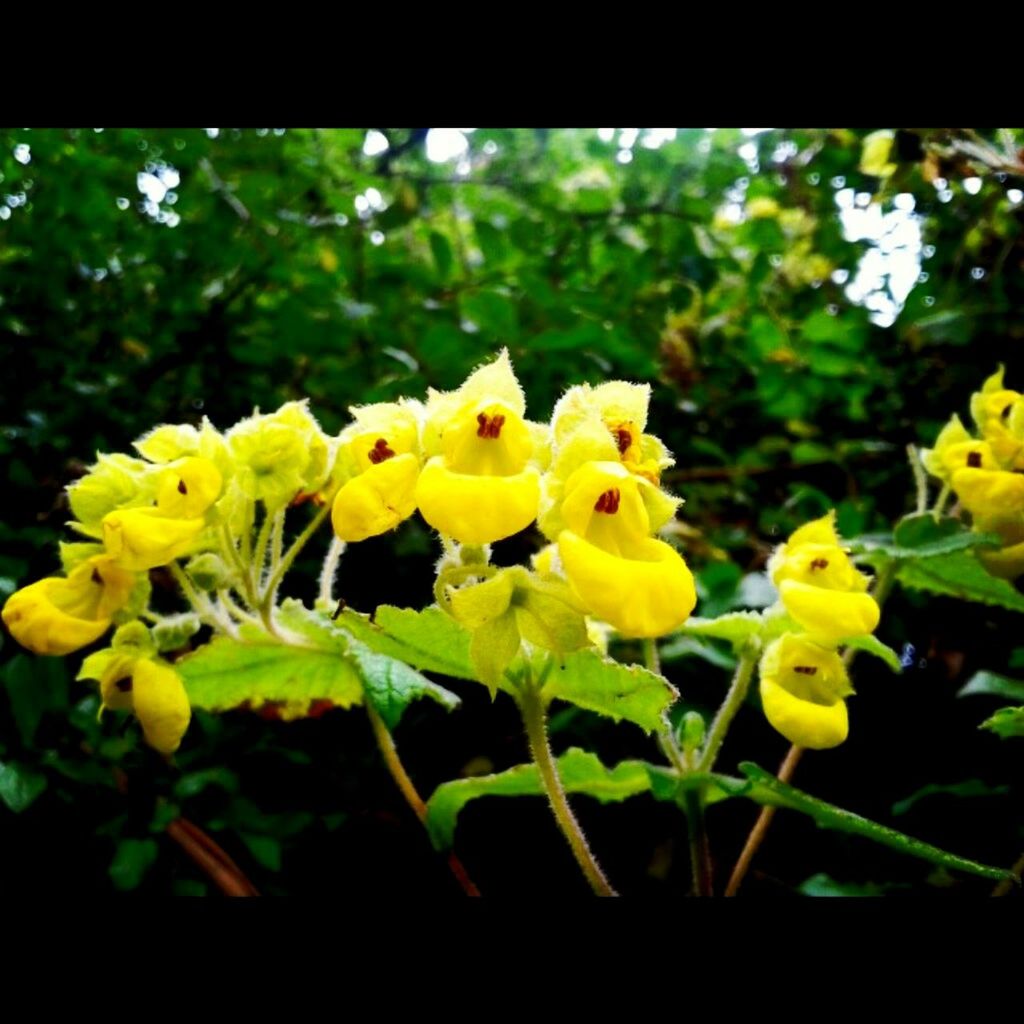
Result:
{"points": [[133, 859], [872, 645], [959, 575], [993, 685], [922, 536], [736, 627], [34, 687], [972, 787], [825, 885], [227, 673], [590, 680], [769, 791], [690, 646], [389, 682], [265, 850], [442, 252], [19, 786], [428, 640], [392, 685], [1006, 723], [580, 771]]}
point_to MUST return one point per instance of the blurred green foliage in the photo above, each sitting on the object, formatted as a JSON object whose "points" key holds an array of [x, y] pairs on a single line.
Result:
{"points": [[802, 322]]}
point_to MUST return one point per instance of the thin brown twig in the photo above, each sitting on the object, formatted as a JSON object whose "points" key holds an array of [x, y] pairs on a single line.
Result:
{"points": [[389, 751], [214, 862], [764, 819], [1005, 887]]}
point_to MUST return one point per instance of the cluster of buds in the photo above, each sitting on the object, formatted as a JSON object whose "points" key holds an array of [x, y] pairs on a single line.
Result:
{"points": [[986, 471], [211, 506], [804, 683]]}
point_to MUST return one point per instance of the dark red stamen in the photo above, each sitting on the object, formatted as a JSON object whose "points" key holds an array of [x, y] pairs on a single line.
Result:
{"points": [[974, 460], [96, 577], [490, 426], [805, 670], [380, 452], [623, 438], [182, 489], [124, 685], [608, 502], [819, 563]]}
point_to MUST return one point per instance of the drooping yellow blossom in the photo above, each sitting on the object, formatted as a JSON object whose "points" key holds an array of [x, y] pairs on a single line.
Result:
{"points": [[875, 152], [59, 615], [188, 488], [621, 409], [151, 689], [803, 687], [621, 574], [989, 492], [143, 538], [955, 449], [379, 453], [480, 483], [994, 402], [820, 587]]}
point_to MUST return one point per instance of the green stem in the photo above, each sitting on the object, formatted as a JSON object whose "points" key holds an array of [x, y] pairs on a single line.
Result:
{"points": [[940, 501], [386, 743], [244, 581], [330, 570], [259, 563], [727, 712], [267, 604], [277, 540], [534, 718], [199, 601], [700, 851], [920, 478]]}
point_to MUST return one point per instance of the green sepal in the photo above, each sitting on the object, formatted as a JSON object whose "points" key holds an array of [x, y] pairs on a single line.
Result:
{"points": [[173, 632]]}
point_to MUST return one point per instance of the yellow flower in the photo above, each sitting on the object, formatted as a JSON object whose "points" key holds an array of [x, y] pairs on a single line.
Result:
{"points": [[994, 403], [621, 408], [186, 490], [820, 587], [874, 157], [143, 538], [989, 492], [956, 449], [156, 694], [377, 500], [625, 577], [803, 686], [379, 454], [58, 616], [479, 486]]}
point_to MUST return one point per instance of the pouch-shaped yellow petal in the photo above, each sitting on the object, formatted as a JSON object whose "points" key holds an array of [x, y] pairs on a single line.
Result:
{"points": [[143, 538], [802, 722], [477, 509], [831, 615], [160, 704], [1006, 563], [986, 492], [818, 531], [378, 500], [646, 595], [187, 489], [36, 621], [602, 503]]}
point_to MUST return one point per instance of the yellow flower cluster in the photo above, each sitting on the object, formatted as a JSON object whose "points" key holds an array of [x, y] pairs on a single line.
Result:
{"points": [[602, 505], [986, 471], [476, 468], [803, 680]]}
